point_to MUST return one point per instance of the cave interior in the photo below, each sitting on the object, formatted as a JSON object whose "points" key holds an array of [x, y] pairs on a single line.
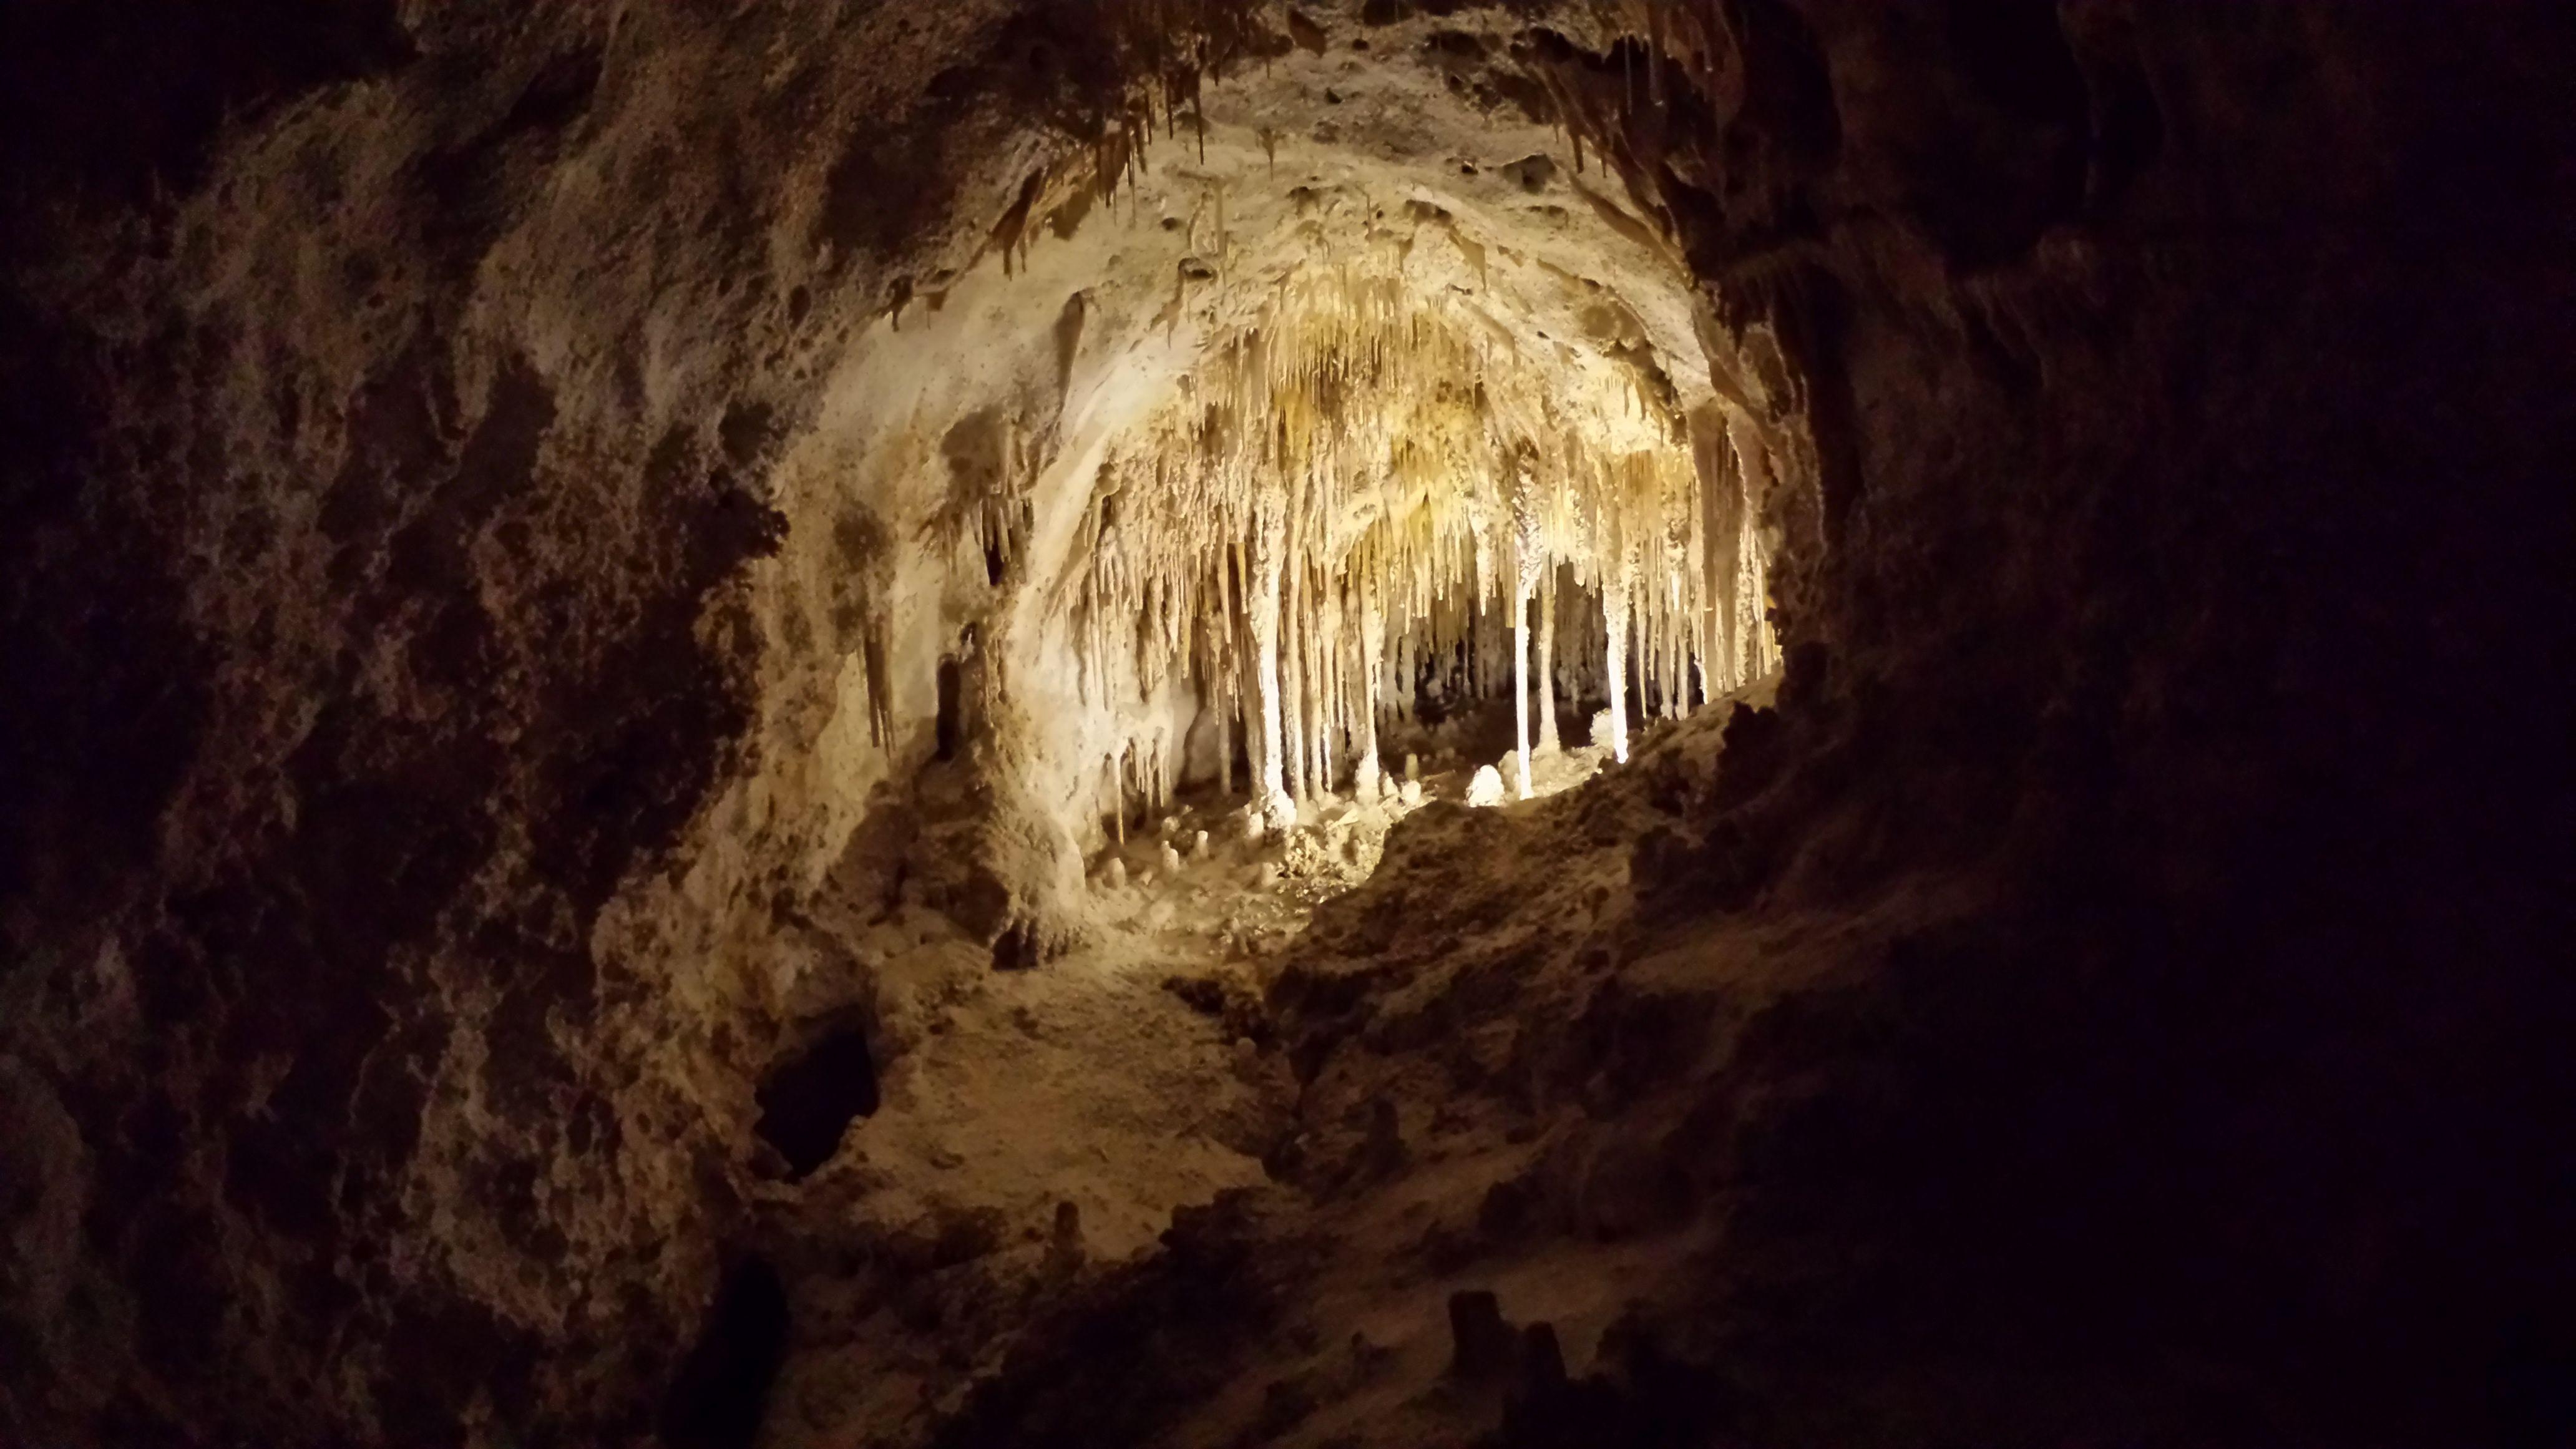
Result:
{"points": [[1347, 723]]}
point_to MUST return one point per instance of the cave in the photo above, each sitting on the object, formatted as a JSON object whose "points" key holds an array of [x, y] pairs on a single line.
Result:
{"points": [[1331, 723]]}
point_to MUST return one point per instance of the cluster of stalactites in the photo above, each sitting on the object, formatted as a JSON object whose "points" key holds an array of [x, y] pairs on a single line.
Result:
{"points": [[1339, 506]]}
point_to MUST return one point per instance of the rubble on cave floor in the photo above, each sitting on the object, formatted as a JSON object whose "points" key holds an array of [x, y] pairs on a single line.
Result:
{"points": [[1202, 878], [1041, 1131], [1037, 1130]]}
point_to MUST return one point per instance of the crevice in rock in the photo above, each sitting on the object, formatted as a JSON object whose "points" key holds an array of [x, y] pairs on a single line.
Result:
{"points": [[806, 1104], [721, 1393]]}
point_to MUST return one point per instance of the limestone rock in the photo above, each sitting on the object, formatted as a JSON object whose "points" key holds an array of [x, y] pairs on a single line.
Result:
{"points": [[1486, 788]]}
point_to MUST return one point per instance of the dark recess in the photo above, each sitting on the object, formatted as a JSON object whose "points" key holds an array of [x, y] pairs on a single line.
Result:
{"points": [[145, 85], [949, 727], [807, 1104], [723, 1386]]}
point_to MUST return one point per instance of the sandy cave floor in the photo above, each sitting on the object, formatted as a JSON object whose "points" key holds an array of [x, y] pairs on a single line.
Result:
{"points": [[1038, 1125]]}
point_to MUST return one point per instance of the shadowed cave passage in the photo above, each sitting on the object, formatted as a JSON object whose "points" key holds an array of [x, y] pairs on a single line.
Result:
{"points": [[1335, 725]]}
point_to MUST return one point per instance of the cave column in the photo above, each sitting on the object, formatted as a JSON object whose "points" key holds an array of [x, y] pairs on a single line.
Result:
{"points": [[1217, 704], [1221, 709], [1614, 608], [1292, 701], [1521, 581], [1271, 788], [1372, 674], [1547, 736]]}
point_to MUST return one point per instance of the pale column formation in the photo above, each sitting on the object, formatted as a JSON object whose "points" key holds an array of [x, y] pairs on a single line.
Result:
{"points": [[1342, 502]]}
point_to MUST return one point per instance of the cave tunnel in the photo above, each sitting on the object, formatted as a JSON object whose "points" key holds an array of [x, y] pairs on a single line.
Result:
{"points": [[1344, 723]]}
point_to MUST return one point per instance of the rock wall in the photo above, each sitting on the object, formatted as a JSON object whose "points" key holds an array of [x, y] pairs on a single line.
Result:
{"points": [[393, 920], [418, 475]]}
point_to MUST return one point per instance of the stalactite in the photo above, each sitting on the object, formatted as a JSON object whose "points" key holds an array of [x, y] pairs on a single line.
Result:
{"points": [[1365, 444]]}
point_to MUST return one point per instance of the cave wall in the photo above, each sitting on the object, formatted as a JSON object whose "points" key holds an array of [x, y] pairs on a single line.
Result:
{"points": [[2162, 406], [2182, 530], [391, 448]]}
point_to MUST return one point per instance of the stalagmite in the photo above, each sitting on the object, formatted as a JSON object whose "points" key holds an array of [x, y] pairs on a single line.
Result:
{"points": [[1318, 520]]}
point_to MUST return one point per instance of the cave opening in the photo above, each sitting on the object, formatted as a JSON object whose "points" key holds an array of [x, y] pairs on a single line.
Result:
{"points": [[810, 1100]]}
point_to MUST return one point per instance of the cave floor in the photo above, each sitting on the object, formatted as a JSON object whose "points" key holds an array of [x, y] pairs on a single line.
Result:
{"points": [[1039, 1127]]}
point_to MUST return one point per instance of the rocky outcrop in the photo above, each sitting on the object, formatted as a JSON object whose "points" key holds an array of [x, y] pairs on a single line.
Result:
{"points": [[462, 611]]}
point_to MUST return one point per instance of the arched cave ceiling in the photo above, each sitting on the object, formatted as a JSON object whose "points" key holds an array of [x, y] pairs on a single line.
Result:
{"points": [[483, 521]]}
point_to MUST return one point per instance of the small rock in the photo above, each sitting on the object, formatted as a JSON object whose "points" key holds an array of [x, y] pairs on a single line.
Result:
{"points": [[1252, 824], [1171, 859], [1170, 824], [1114, 874], [1411, 794], [1144, 878], [1486, 788], [1265, 875], [1199, 846]]}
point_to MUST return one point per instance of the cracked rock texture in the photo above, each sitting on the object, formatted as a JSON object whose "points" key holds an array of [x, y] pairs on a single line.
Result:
{"points": [[476, 564]]}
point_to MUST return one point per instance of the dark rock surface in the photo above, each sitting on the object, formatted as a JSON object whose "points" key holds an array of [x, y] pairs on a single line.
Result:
{"points": [[2117, 988]]}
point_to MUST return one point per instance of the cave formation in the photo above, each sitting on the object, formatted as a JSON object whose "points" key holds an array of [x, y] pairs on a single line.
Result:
{"points": [[1365, 722]]}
